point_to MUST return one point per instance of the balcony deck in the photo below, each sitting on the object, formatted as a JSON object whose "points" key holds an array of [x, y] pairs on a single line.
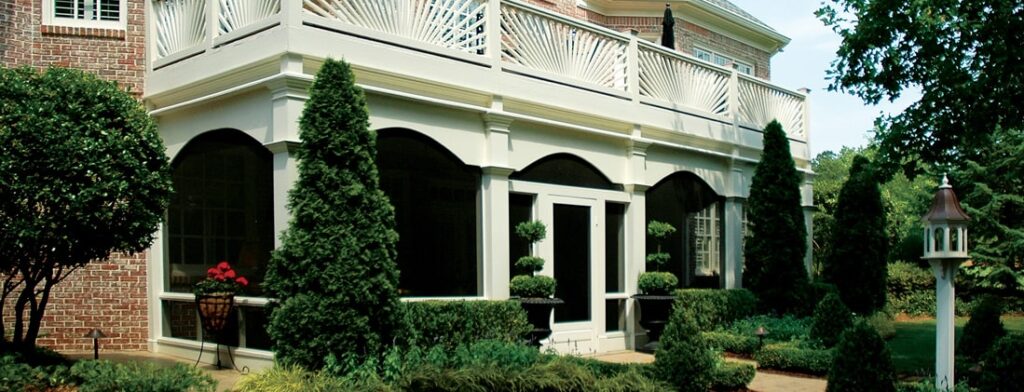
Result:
{"points": [[477, 55]]}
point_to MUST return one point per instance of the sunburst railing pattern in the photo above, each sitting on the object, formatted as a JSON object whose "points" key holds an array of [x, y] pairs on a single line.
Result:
{"points": [[533, 40], [760, 103], [456, 24], [236, 14], [679, 80], [180, 25], [506, 35]]}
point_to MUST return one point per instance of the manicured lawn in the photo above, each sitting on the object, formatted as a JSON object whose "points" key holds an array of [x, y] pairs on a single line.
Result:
{"points": [[913, 348]]}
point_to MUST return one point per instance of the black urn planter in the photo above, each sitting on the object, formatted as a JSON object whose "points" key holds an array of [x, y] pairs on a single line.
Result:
{"points": [[654, 314], [538, 313]]}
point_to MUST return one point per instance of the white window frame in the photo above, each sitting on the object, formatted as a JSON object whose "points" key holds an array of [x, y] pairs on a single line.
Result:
{"points": [[722, 60], [50, 19]]}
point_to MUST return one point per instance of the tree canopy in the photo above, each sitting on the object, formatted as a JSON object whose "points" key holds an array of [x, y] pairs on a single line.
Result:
{"points": [[964, 55], [83, 173]]}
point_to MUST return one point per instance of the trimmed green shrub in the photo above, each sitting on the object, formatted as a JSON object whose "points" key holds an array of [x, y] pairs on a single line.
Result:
{"points": [[831, 317], [794, 357], [537, 286], [452, 323], [714, 309], [335, 274], [862, 362], [1002, 370], [775, 249], [657, 283], [811, 294], [732, 376], [883, 323], [857, 262], [731, 343], [530, 264], [531, 231], [780, 329], [983, 329], [103, 376], [683, 359]]}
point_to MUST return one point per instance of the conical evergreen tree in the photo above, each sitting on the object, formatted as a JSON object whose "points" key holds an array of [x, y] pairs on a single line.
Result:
{"points": [[335, 274], [774, 254], [857, 263], [684, 358], [862, 362]]}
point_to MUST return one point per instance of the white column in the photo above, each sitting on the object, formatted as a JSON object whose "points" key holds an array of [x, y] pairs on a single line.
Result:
{"points": [[288, 97], [494, 204], [732, 268], [636, 229], [807, 201], [945, 273], [732, 273]]}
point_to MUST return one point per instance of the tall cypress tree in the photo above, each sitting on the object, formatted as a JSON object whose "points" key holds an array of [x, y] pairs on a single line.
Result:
{"points": [[774, 254], [335, 277], [857, 263]]}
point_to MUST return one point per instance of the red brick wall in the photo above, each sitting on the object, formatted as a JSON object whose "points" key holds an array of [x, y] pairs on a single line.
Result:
{"points": [[108, 295], [117, 55]]}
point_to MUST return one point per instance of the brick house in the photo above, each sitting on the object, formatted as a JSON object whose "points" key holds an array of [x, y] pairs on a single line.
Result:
{"points": [[488, 112]]}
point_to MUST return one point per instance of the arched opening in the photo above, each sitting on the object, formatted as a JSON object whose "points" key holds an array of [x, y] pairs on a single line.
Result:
{"points": [[222, 209], [689, 204], [565, 169], [436, 202]]}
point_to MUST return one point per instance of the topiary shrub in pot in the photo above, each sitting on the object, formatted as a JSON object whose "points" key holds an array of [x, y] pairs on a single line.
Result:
{"points": [[655, 297], [535, 292]]}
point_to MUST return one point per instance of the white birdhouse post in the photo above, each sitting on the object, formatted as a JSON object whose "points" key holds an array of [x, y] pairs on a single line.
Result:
{"points": [[945, 247]]}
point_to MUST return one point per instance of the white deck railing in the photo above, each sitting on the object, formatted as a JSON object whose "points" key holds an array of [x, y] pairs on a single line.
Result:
{"points": [[509, 34]]}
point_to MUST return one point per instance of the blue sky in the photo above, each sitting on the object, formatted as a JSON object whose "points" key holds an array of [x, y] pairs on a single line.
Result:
{"points": [[837, 119]]}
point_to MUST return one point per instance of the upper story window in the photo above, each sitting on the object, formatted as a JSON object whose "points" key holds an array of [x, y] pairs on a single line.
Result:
{"points": [[105, 14], [723, 60]]}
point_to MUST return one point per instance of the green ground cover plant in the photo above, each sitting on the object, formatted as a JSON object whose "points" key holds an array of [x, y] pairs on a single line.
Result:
{"points": [[102, 376]]}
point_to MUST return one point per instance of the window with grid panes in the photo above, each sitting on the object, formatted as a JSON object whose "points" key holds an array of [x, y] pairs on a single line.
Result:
{"points": [[706, 228], [85, 13]]}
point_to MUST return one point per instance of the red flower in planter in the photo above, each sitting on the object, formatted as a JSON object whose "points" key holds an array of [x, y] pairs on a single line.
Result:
{"points": [[221, 279]]}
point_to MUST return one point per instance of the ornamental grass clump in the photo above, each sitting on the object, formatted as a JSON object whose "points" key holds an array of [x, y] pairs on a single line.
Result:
{"points": [[335, 277], [657, 282], [528, 284], [221, 279]]}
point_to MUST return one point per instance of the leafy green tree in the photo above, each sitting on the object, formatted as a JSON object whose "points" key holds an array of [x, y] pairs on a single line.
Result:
{"points": [[83, 173], [905, 201], [857, 263], [335, 276], [774, 254], [962, 54]]}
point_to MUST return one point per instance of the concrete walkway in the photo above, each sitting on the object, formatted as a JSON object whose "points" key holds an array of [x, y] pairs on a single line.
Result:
{"points": [[764, 381]]}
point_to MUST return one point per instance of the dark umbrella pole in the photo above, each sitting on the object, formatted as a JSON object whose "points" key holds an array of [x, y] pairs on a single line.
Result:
{"points": [[668, 35]]}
